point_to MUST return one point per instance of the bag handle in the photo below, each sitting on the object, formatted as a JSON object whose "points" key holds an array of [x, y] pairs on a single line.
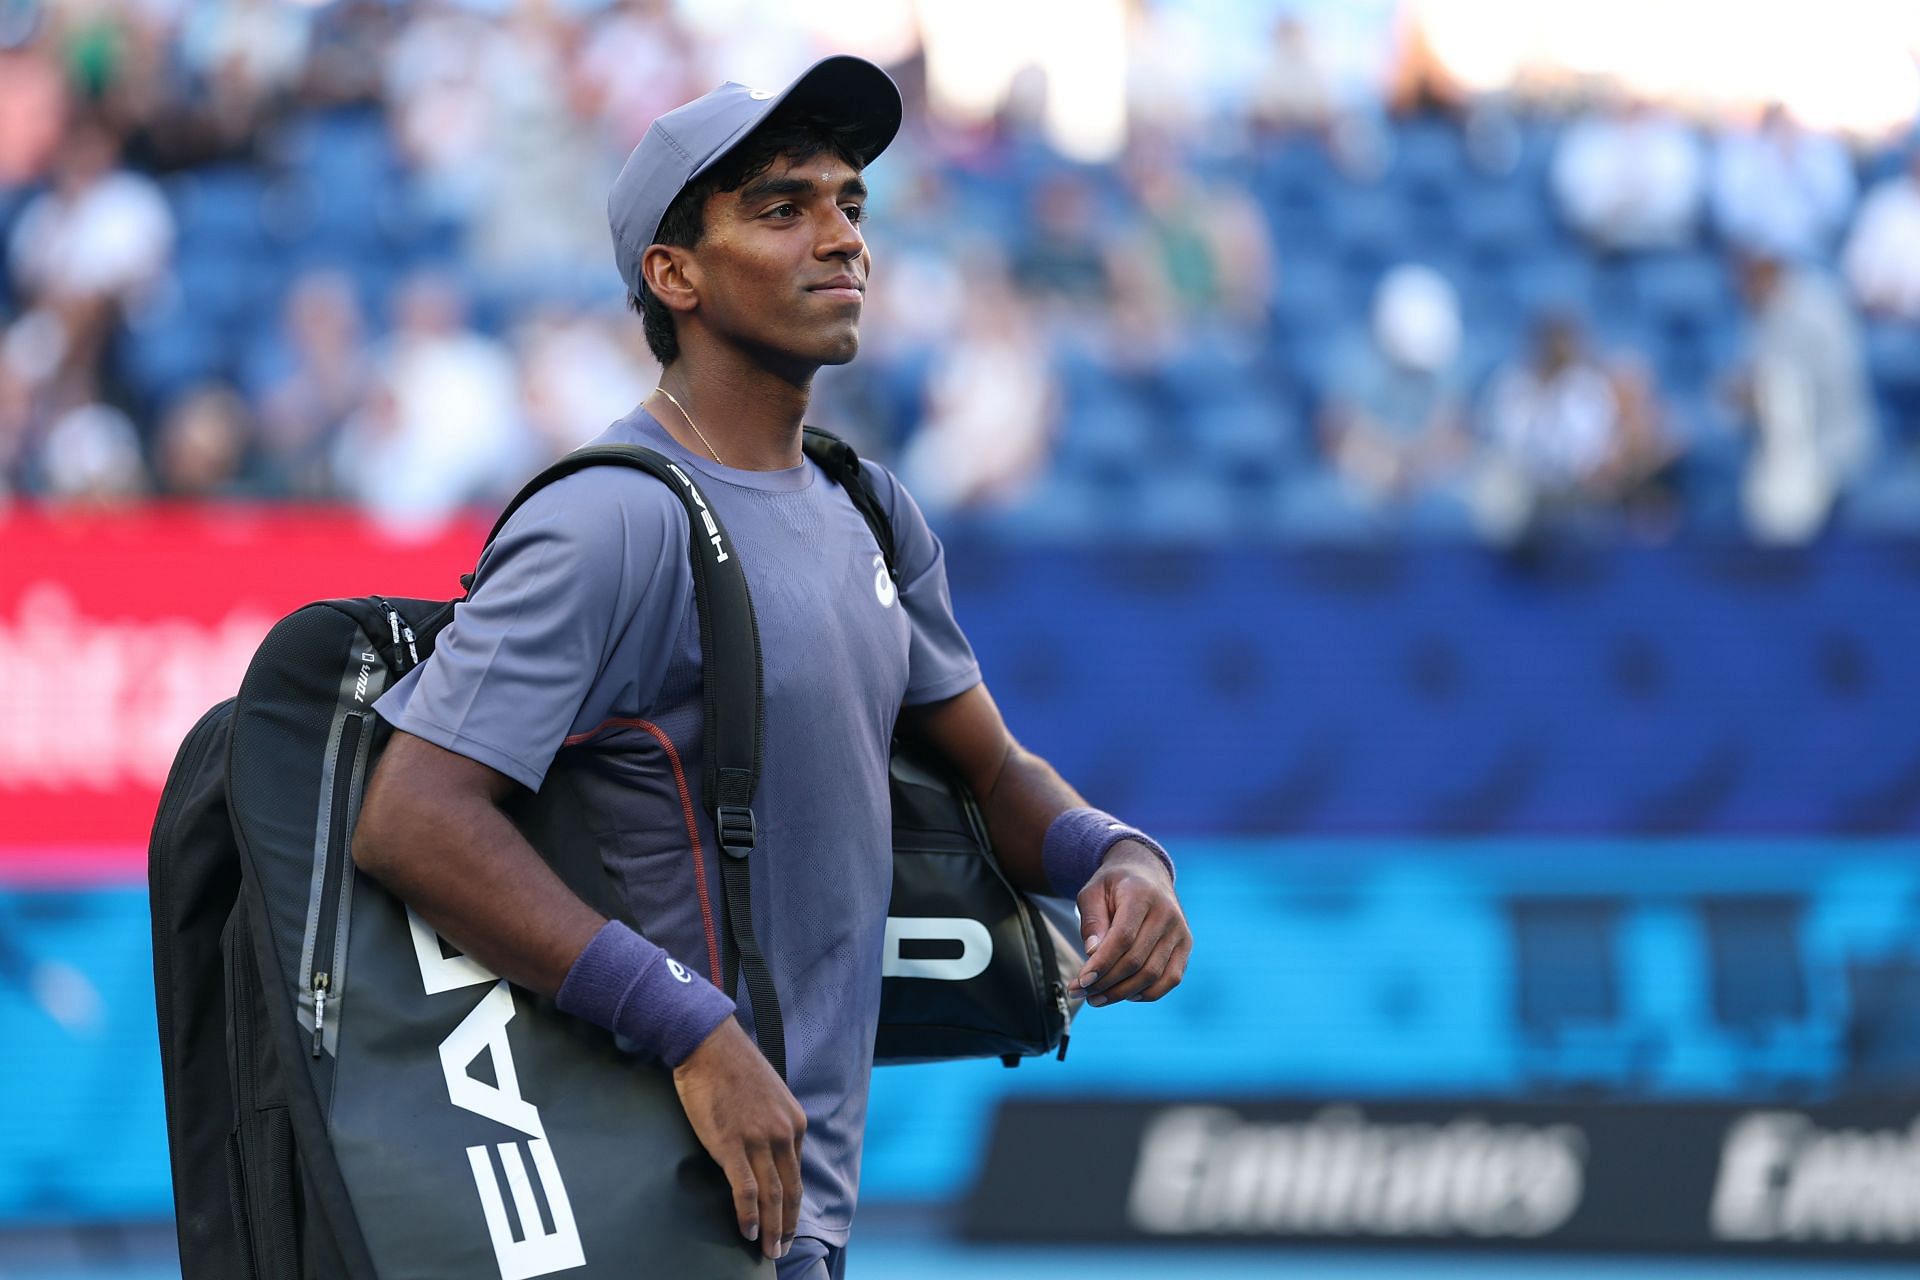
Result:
{"points": [[734, 710]]}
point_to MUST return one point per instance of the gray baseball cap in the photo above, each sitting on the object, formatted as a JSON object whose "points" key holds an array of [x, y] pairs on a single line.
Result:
{"points": [[687, 141]]}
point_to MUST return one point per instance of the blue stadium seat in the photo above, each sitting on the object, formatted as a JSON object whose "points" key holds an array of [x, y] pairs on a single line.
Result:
{"points": [[1294, 169], [1893, 361], [1554, 281], [1429, 150], [1505, 221], [1250, 439], [225, 287], [350, 140], [1311, 288], [1682, 287], [1184, 504], [1370, 220], [219, 205], [1062, 507], [168, 353], [1106, 437]]}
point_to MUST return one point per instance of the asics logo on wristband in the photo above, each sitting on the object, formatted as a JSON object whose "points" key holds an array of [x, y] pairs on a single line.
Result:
{"points": [[679, 971]]}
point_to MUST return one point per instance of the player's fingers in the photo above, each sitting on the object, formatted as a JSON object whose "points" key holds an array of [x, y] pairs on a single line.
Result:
{"points": [[772, 1202], [787, 1161], [1118, 941], [746, 1195], [1093, 915], [1176, 971], [1124, 971], [1151, 973], [1127, 985]]}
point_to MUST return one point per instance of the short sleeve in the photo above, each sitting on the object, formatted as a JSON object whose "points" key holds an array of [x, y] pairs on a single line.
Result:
{"points": [[940, 662], [585, 571]]}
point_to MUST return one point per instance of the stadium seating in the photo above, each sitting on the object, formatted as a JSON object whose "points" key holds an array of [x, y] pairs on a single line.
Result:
{"points": [[339, 195]]}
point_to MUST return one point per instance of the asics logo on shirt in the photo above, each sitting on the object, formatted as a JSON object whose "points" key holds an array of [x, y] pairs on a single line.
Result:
{"points": [[883, 582]]}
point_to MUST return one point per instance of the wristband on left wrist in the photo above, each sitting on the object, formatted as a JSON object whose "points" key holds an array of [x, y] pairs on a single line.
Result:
{"points": [[1079, 839]]}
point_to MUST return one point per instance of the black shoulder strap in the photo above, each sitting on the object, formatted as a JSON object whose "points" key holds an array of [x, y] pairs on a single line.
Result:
{"points": [[837, 458], [730, 665]]}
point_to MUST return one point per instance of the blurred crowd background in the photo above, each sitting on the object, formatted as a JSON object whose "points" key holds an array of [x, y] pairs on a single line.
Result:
{"points": [[1385, 269], [1299, 386]]}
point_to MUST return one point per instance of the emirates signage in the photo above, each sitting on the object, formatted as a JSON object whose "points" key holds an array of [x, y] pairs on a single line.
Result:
{"points": [[118, 629], [1832, 1180]]}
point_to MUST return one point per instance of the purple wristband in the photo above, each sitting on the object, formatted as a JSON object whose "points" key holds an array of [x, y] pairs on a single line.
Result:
{"points": [[634, 989], [1076, 842]]}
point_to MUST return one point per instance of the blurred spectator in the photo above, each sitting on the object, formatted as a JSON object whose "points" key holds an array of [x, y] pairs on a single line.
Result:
{"points": [[1882, 258], [1806, 388], [1293, 91], [92, 456], [1393, 424], [1630, 176], [1063, 257], [83, 250], [990, 406], [247, 51], [544, 169], [435, 87], [202, 446], [576, 377], [17, 418], [328, 379], [442, 426], [33, 99], [196, 84], [1200, 255], [1152, 274], [1573, 442], [344, 50], [1781, 189], [640, 63]]}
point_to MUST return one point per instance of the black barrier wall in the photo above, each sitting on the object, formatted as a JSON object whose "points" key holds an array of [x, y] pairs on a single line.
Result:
{"points": [[1774, 1181]]}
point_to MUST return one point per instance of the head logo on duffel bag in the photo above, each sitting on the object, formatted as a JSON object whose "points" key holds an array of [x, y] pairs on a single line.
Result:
{"points": [[485, 1029]]}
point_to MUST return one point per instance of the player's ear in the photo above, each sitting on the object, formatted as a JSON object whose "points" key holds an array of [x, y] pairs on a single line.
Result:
{"points": [[672, 275]]}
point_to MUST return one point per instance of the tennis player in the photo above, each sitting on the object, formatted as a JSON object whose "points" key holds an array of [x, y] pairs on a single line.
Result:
{"points": [[737, 228]]}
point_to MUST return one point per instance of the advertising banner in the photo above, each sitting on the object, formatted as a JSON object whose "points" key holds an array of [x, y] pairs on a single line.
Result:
{"points": [[117, 630], [1762, 1180]]}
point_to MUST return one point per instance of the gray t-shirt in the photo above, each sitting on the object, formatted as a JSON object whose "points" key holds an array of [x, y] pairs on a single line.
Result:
{"points": [[581, 635]]}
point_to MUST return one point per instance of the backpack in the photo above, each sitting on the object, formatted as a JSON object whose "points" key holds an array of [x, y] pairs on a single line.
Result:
{"points": [[336, 1075]]}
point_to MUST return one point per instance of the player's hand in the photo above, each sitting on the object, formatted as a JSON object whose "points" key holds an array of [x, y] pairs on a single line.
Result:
{"points": [[749, 1122], [1136, 935]]}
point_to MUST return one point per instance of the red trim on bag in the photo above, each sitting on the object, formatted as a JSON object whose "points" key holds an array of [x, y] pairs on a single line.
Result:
{"points": [[693, 829]]}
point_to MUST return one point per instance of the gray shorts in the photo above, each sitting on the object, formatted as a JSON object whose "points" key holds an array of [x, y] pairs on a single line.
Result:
{"points": [[811, 1259]]}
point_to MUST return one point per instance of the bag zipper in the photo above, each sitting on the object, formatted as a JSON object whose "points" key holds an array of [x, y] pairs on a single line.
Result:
{"points": [[402, 634], [333, 879]]}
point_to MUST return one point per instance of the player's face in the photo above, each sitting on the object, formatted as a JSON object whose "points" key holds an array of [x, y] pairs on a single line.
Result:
{"points": [[783, 263]]}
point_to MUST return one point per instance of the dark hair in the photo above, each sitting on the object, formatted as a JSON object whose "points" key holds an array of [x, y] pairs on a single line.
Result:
{"points": [[797, 138]]}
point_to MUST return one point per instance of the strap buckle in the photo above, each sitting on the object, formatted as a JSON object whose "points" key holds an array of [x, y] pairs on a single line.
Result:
{"points": [[737, 828]]}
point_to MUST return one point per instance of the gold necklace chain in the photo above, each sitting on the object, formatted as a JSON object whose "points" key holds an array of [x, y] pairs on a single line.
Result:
{"points": [[690, 422]]}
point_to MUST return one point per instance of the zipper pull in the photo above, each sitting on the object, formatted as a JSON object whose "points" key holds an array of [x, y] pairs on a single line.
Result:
{"points": [[413, 654], [319, 1012], [1066, 1021], [393, 620]]}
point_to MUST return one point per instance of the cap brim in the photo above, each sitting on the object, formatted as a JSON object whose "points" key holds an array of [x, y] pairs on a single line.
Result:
{"points": [[843, 90]]}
